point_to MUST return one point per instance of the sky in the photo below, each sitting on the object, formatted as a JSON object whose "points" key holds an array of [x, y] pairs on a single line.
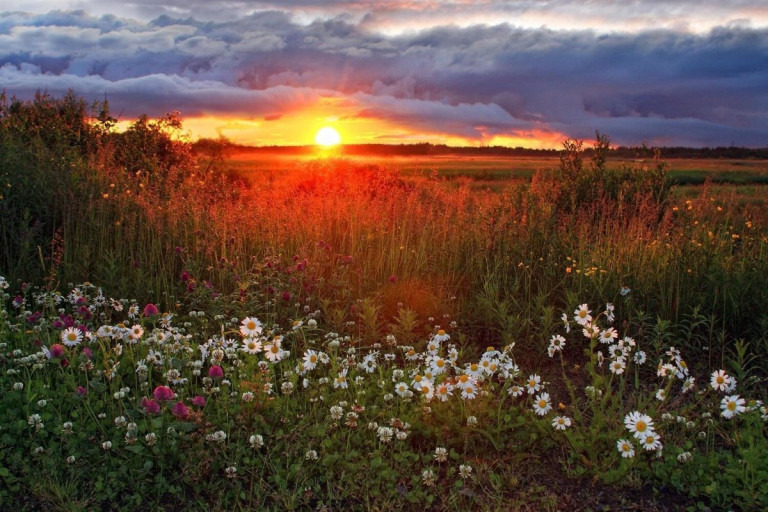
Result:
{"points": [[529, 73]]}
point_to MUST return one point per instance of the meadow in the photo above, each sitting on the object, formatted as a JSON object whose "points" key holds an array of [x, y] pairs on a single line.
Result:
{"points": [[187, 330]]}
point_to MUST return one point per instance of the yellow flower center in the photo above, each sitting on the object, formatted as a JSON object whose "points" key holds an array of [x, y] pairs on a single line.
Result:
{"points": [[731, 406], [640, 426], [542, 404], [251, 325]]}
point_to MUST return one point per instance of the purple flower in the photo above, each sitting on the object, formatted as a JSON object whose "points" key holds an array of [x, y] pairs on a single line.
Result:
{"points": [[180, 410], [150, 406], [198, 401], [57, 350], [215, 372], [150, 309], [163, 393]]}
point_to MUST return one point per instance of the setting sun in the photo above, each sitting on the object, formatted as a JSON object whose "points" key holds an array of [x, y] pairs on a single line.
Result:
{"points": [[327, 136]]}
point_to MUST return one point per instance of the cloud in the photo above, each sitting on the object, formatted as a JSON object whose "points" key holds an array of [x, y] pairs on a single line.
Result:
{"points": [[476, 82]]}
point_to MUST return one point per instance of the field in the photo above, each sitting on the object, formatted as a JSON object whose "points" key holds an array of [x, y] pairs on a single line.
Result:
{"points": [[237, 331]]}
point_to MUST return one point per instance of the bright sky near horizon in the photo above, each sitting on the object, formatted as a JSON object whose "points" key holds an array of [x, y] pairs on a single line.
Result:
{"points": [[492, 72]]}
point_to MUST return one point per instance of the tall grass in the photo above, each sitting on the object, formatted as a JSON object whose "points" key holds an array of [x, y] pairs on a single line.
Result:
{"points": [[136, 209]]}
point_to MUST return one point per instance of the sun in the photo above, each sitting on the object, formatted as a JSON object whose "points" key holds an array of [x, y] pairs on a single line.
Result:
{"points": [[327, 136]]}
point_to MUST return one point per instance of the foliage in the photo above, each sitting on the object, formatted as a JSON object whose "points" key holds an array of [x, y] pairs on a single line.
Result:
{"points": [[360, 260]]}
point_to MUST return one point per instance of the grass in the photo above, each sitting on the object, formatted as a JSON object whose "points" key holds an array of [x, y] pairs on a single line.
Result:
{"points": [[380, 270]]}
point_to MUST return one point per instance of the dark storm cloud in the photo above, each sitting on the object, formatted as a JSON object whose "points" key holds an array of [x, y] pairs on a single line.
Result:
{"points": [[474, 82]]}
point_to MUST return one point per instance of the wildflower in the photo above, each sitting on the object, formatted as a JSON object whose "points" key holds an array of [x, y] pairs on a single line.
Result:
{"points": [[71, 336], [66, 428], [401, 435], [468, 392], [272, 350], [341, 380], [198, 401], [561, 422], [150, 310], [71, 459], [608, 335], [465, 470], [609, 316], [385, 434], [438, 365], [684, 457], [216, 372], [651, 441], [542, 404], [106, 445], [661, 395], [56, 351], [80, 391], [310, 360], [250, 327], [444, 391], [515, 390], [369, 363], [731, 406], [256, 441], [427, 390], [402, 389], [533, 384], [151, 439], [617, 366], [121, 421], [428, 477], [626, 448], [639, 424], [163, 393], [590, 330], [18, 386], [231, 471], [556, 343], [310, 455], [441, 454], [639, 357], [441, 336], [36, 421], [625, 291], [720, 381], [471, 421], [566, 323], [251, 346], [180, 410], [217, 437], [150, 406], [582, 315], [336, 412]]}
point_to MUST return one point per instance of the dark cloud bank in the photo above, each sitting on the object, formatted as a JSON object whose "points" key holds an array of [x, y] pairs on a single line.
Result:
{"points": [[662, 87]]}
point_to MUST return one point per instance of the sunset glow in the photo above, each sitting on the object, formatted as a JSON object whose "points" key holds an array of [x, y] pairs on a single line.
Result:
{"points": [[327, 136], [514, 73]]}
